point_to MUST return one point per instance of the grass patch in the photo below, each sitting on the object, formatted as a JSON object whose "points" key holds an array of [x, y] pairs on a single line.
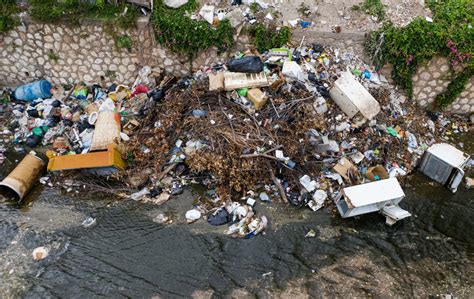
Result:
{"points": [[267, 38], [53, 56], [71, 11], [450, 34], [124, 42], [374, 8], [177, 31], [8, 21]]}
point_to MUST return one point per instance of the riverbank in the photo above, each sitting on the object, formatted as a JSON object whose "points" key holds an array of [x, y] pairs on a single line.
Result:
{"points": [[127, 253]]}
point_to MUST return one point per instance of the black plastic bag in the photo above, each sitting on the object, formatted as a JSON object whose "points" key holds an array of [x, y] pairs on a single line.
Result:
{"points": [[156, 94], [250, 64], [220, 217], [33, 140]]}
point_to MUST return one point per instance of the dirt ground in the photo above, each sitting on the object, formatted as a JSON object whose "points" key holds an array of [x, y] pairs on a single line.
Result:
{"points": [[329, 13]]}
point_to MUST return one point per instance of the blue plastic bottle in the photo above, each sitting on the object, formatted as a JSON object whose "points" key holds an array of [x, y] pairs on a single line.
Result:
{"points": [[32, 91]]}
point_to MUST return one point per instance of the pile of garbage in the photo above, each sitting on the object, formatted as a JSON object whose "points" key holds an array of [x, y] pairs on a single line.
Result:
{"points": [[290, 125]]}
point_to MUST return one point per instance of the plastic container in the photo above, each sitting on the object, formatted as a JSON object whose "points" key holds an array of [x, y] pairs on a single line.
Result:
{"points": [[24, 176], [29, 92]]}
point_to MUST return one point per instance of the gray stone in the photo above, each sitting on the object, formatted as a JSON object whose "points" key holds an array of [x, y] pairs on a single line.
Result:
{"points": [[87, 78], [432, 94], [422, 103], [444, 68], [41, 61], [425, 76], [422, 96], [438, 89], [122, 69], [432, 83], [456, 106], [131, 67], [75, 46], [113, 68], [463, 101], [14, 34], [98, 61], [436, 75], [48, 39], [465, 108], [48, 46], [96, 67], [83, 68]]}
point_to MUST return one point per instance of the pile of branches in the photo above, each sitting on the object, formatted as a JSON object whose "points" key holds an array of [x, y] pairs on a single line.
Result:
{"points": [[240, 144]]}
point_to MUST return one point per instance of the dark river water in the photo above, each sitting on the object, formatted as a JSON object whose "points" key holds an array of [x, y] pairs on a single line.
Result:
{"points": [[128, 254]]}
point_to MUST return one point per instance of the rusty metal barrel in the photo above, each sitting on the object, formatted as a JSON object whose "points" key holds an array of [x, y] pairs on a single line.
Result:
{"points": [[23, 177]]}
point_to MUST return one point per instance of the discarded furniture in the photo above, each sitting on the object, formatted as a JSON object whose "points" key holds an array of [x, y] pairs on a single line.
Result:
{"points": [[444, 163], [383, 196], [352, 97], [23, 177], [101, 163]]}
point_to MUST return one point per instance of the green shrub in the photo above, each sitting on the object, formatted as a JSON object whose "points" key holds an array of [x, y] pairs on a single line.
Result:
{"points": [[374, 8], [124, 41], [268, 38], [177, 31], [8, 21], [450, 34]]}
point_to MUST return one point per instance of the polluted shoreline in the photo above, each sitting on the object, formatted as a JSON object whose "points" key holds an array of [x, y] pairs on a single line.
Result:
{"points": [[316, 133], [307, 126]]}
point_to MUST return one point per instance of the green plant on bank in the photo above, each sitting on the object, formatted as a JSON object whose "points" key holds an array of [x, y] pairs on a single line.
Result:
{"points": [[450, 34], [267, 38], [8, 21], [254, 7], [455, 88], [373, 7], [304, 10], [124, 42], [53, 56], [177, 31], [71, 11]]}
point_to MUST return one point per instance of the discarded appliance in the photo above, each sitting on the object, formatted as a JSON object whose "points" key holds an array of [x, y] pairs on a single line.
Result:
{"points": [[23, 177], [101, 163], [352, 97], [234, 81], [383, 196], [444, 163]]}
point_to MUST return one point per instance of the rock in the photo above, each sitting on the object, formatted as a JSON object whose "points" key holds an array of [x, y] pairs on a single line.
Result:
{"points": [[87, 78], [425, 76], [139, 178]]}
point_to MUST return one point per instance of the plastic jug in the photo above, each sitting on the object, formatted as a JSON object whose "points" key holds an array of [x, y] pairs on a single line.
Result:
{"points": [[34, 90]]}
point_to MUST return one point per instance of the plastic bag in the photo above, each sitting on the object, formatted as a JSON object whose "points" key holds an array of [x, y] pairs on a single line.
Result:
{"points": [[250, 64]]}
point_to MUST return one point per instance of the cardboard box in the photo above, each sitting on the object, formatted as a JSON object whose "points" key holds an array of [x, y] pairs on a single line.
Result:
{"points": [[257, 97]]}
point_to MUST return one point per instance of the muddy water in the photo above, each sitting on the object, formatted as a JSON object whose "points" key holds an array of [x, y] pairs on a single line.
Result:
{"points": [[128, 254]]}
